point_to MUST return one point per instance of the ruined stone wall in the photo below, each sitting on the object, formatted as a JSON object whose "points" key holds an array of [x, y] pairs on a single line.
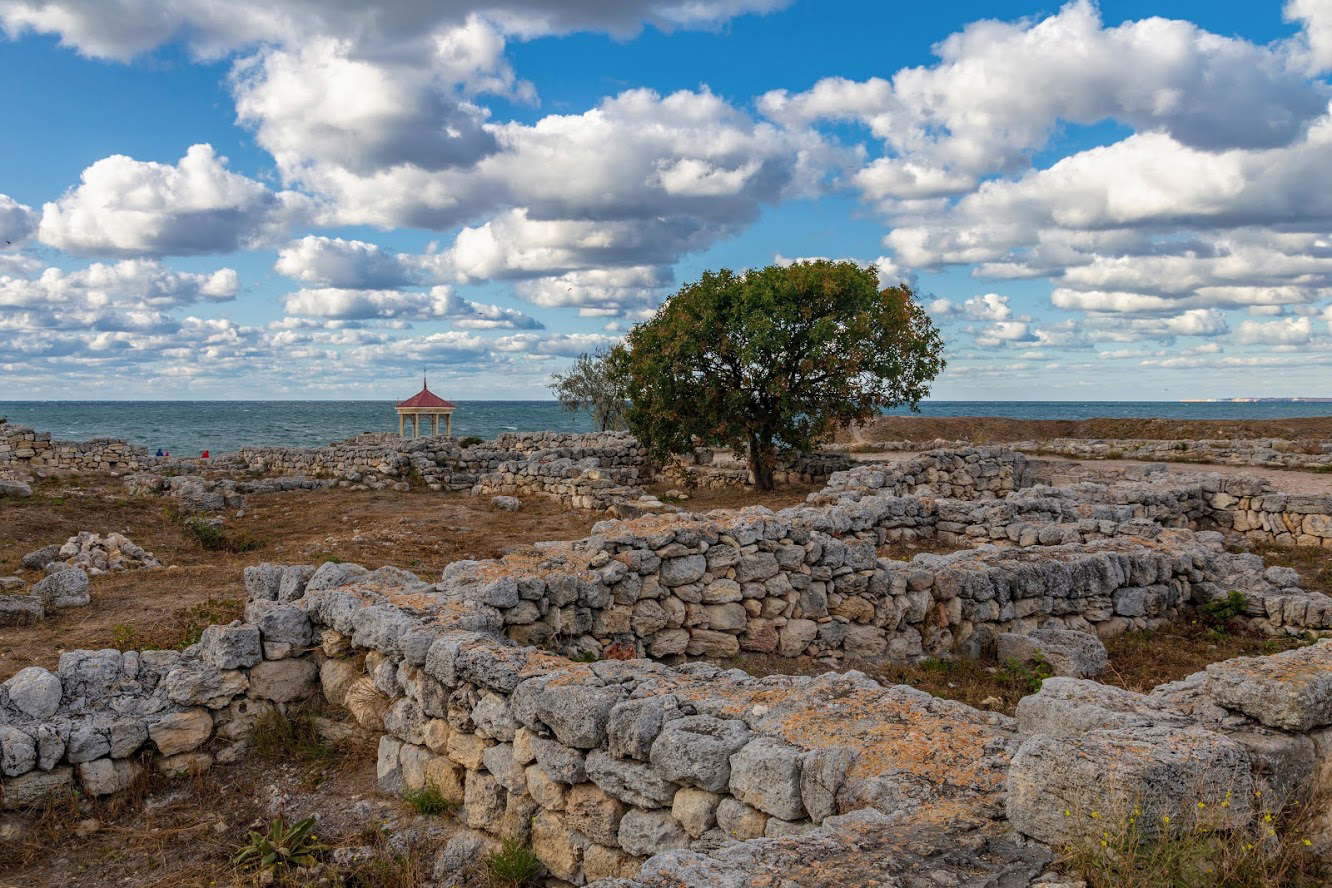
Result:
{"points": [[440, 463], [23, 450], [1273, 452], [709, 469], [584, 484]]}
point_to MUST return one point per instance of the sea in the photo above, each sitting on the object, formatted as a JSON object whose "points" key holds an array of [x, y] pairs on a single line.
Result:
{"points": [[186, 428]]}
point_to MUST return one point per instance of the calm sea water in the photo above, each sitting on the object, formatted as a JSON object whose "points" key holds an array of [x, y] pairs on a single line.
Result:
{"points": [[187, 427]]}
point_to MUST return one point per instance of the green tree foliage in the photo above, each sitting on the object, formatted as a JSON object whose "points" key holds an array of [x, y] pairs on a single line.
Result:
{"points": [[589, 385], [775, 358]]}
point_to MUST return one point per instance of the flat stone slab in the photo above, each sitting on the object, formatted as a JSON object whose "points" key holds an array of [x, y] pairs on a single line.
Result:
{"points": [[1290, 690], [1074, 654]]}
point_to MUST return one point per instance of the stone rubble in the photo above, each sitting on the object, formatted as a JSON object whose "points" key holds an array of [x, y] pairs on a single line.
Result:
{"points": [[637, 774]]}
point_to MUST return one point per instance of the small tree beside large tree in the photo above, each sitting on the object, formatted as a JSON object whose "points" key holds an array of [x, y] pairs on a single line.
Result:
{"points": [[589, 385], [774, 358]]}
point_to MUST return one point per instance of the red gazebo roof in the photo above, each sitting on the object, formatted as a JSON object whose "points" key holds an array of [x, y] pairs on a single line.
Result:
{"points": [[426, 398]]}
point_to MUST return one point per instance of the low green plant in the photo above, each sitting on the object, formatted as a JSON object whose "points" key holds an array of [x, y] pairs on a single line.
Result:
{"points": [[282, 847], [1220, 611], [513, 865], [1189, 851], [204, 614], [1026, 676], [470, 441], [429, 801]]}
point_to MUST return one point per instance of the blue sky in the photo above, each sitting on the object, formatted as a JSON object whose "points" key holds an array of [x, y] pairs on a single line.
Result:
{"points": [[1124, 200]]}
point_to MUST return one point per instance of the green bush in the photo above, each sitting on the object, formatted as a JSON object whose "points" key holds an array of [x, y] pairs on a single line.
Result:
{"points": [[1220, 611], [513, 865], [470, 441], [213, 539], [429, 801]]}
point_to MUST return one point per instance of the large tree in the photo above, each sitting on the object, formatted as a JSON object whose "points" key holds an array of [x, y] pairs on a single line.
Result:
{"points": [[775, 358], [589, 386]]}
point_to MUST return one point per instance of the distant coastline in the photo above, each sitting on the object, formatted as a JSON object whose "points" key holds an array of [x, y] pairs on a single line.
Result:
{"points": [[1256, 401]]}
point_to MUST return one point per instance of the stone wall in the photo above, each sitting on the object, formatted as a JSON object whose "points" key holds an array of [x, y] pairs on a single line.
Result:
{"points": [[709, 469], [1272, 452], [544, 463], [648, 774], [23, 450]]}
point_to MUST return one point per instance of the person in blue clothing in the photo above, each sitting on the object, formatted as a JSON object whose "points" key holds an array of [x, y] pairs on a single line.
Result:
{"points": [[159, 451]]}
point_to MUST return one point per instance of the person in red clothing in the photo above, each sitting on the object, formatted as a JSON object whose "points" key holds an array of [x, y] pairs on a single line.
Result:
{"points": [[205, 455]]}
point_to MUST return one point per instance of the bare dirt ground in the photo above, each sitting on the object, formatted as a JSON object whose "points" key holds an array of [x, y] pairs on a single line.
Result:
{"points": [[175, 832], [419, 530], [987, 429]]}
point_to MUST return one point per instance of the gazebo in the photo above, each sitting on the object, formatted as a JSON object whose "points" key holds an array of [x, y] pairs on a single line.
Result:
{"points": [[425, 403]]}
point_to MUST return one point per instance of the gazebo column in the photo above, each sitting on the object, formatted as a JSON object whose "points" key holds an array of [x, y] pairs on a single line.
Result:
{"points": [[402, 425], [448, 424]]}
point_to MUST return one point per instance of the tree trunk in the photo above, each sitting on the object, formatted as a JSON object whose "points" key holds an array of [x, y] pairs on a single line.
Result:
{"points": [[762, 461]]}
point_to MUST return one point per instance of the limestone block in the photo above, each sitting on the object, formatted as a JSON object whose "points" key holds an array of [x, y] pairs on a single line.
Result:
{"points": [[604, 862], [795, 636], [740, 821], [499, 761], [559, 848], [194, 683], [466, 749], [483, 801], [645, 833], [183, 764], [633, 782], [236, 646], [696, 750], [561, 764], [682, 570], [34, 691], [765, 774], [179, 732], [1290, 690], [64, 588], [594, 813], [1072, 654], [547, 793], [1103, 776], [696, 810], [18, 751], [336, 678], [284, 681], [446, 776], [20, 609], [715, 645], [33, 787], [578, 714]]}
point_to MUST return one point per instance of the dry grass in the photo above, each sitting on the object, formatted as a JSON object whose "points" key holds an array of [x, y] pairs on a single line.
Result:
{"points": [[704, 499], [1314, 565], [1139, 661], [419, 530]]}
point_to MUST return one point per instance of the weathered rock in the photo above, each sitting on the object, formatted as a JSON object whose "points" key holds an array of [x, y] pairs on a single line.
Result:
{"points": [[236, 646], [696, 810], [284, 681], [1063, 789], [633, 782], [696, 750], [1069, 653], [34, 691], [765, 774], [64, 588], [40, 558], [106, 776], [20, 610], [650, 832], [1290, 690], [506, 503], [593, 813], [181, 731]]}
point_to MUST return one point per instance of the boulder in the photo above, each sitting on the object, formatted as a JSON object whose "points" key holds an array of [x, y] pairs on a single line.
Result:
{"points": [[766, 775], [696, 750], [1068, 789], [506, 503], [1069, 653], [39, 559], [14, 488], [1290, 690], [35, 692], [64, 588]]}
